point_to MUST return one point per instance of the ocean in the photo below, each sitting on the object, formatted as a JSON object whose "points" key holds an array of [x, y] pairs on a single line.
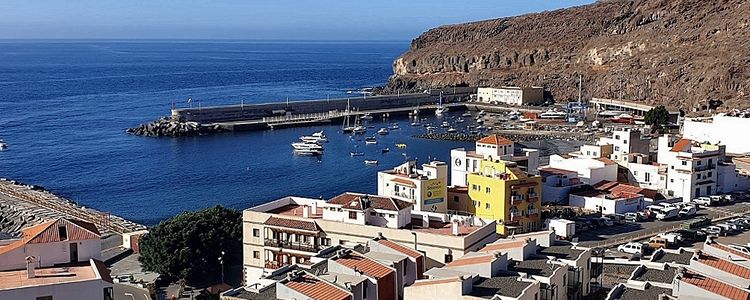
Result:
{"points": [[64, 106]]}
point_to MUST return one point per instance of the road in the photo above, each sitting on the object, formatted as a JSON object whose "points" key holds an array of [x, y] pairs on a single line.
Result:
{"points": [[129, 292], [618, 234]]}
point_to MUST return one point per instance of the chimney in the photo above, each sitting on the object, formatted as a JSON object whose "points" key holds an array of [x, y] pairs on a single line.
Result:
{"points": [[305, 211], [454, 227], [30, 268]]}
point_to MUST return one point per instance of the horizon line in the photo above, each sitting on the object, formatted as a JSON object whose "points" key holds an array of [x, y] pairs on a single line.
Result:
{"points": [[205, 40]]}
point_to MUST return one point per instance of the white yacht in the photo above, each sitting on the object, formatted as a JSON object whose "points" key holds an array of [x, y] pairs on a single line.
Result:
{"points": [[367, 116], [3, 145], [371, 140], [445, 124], [383, 131], [459, 120], [359, 129], [553, 114], [307, 146], [317, 137], [371, 162], [308, 152], [466, 114], [440, 110], [451, 130]]}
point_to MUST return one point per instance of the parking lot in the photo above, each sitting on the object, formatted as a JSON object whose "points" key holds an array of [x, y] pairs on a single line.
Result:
{"points": [[618, 234]]}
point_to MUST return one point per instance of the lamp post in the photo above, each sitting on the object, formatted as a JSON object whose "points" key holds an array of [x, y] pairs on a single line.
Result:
{"points": [[221, 261]]}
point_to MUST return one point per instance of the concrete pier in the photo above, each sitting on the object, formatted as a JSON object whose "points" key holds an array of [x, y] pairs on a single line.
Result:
{"points": [[301, 113]]}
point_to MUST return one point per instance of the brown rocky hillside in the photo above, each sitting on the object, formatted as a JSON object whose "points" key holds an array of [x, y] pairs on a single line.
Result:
{"points": [[676, 52]]}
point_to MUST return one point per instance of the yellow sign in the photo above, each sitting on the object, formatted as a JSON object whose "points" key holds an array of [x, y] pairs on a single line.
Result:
{"points": [[433, 189]]}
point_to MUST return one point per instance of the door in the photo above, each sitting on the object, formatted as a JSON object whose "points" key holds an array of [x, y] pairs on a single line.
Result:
{"points": [[74, 252]]}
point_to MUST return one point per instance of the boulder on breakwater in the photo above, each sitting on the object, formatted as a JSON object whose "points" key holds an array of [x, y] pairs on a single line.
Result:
{"points": [[168, 127]]}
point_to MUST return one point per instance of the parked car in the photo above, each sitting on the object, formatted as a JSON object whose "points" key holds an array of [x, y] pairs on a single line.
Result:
{"points": [[655, 208], [692, 235], [606, 221], [726, 228], [671, 237], [705, 201], [742, 249], [616, 218], [718, 199], [740, 223], [728, 198], [633, 217], [714, 230], [667, 213], [667, 205], [631, 248], [658, 242], [687, 211]]}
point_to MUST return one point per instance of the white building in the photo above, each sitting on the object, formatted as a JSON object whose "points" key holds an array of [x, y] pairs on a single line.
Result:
{"points": [[50, 243], [607, 203], [651, 176], [511, 95], [719, 129], [590, 170], [557, 183], [625, 141], [696, 169], [493, 147], [426, 189], [89, 280], [593, 151]]}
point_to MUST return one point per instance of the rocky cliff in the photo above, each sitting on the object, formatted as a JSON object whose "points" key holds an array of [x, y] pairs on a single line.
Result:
{"points": [[677, 52]]}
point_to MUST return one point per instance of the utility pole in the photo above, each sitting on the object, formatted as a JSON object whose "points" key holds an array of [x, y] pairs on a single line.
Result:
{"points": [[221, 261]]}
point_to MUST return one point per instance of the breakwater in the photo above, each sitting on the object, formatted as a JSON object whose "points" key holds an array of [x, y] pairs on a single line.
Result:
{"points": [[460, 137], [23, 205], [172, 128]]}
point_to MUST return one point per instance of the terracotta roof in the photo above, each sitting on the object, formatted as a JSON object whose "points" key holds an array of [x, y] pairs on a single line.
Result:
{"points": [[714, 286], [356, 201], [103, 271], [404, 182], [363, 264], [495, 139], [730, 250], [47, 232], [681, 145], [474, 260], [317, 289], [557, 171], [606, 161], [436, 281], [292, 224], [400, 248], [724, 265], [503, 246], [618, 189]]}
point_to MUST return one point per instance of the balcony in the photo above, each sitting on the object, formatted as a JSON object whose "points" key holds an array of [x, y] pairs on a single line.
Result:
{"points": [[403, 195], [292, 245], [705, 167], [533, 212], [516, 199], [533, 197], [274, 265], [515, 217]]}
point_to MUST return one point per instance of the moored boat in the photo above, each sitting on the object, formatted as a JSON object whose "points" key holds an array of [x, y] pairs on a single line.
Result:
{"points": [[371, 140], [371, 162], [383, 131]]}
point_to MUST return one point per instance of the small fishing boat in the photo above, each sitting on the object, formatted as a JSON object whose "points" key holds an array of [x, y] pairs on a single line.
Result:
{"points": [[445, 124], [394, 126], [367, 116], [479, 120], [3, 145], [383, 131], [371, 141], [371, 162], [353, 154], [415, 124], [431, 128], [401, 146], [321, 136], [386, 150], [459, 120], [451, 130], [359, 129], [466, 114]]}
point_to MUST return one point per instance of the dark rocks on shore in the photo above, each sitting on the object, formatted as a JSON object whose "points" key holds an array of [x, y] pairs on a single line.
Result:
{"points": [[167, 127], [463, 137]]}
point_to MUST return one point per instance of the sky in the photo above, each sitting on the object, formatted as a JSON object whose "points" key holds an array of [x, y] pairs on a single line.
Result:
{"points": [[250, 19]]}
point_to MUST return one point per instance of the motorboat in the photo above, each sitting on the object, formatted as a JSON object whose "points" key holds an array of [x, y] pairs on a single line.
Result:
{"points": [[359, 129], [459, 120], [624, 119], [431, 128], [306, 146], [3, 145], [371, 162], [440, 110], [479, 120], [445, 124], [321, 136], [386, 150], [415, 124], [371, 140], [451, 130], [383, 131], [552, 114], [367, 116], [401, 146], [466, 114], [353, 154], [317, 137], [308, 152], [394, 126]]}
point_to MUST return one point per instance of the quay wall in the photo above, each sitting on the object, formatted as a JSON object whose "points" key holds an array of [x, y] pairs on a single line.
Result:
{"points": [[239, 112]]}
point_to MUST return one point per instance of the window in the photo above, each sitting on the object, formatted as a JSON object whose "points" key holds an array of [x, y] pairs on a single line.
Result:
{"points": [[710, 174], [448, 257], [256, 254], [635, 173], [671, 180], [710, 161], [684, 163], [455, 199], [487, 206], [565, 280], [256, 232], [353, 215], [617, 148], [699, 162], [617, 136], [487, 190], [625, 141], [63, 231], [648, 177], [697, 192], [108, 294]]}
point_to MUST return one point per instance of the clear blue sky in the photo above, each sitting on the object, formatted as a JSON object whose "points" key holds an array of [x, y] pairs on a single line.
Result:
{"points": [[249, 19]]}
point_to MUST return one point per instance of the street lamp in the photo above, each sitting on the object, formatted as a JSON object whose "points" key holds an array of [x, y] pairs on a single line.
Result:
{"points": [[221, 261]]}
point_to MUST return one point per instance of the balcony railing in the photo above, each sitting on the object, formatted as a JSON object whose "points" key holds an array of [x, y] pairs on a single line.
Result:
{"points": [[705, 167], [403, 195], [516, 199], [515, 217], [274, 265], [292, 245], [534, 198], [533, 212]]}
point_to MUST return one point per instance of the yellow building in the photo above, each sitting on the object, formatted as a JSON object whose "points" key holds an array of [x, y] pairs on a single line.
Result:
{"points": [[500, 190]]}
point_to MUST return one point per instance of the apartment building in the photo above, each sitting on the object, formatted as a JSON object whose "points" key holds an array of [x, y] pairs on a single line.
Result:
{"points": [[87, 279], [557, 184], [425, 189], [511, 95], [52, 242], [625, 141], [292, 230], [493, 147], [590, 170]]}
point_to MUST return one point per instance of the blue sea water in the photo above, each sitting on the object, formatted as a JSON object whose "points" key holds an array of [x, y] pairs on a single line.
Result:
{"points": [[64, 106]]}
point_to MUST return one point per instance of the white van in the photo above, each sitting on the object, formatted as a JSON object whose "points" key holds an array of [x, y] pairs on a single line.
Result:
{"points": [[667, 213], [687, 211]]}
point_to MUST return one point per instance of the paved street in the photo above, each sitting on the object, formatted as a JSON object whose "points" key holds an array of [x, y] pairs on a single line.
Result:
{"points": [[129, 292], [632, 231]]}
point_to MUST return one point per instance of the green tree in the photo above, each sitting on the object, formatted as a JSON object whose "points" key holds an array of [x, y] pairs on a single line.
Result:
{"points": [[657, 117], [189, 245]]}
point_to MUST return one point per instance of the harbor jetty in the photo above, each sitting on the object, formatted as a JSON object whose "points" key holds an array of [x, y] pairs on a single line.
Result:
{"points": [[23, 205], [244, 117]]}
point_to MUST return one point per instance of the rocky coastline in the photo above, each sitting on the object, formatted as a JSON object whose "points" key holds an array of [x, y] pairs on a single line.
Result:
{"points": [[166, 127]]}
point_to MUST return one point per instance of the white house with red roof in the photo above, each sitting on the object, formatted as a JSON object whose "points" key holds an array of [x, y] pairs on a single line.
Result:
{"points": [[50, 243], [493, 147], [425, 188]]}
